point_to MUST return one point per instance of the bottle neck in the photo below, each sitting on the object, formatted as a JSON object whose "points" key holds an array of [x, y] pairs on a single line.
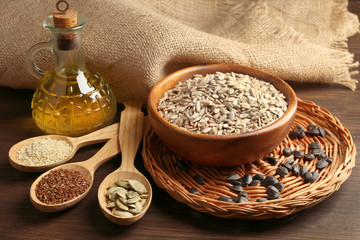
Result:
{"points": [[69, 52]]}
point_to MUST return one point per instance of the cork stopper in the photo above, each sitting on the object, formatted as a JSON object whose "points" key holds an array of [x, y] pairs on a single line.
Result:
{"points": [[64, 18]]}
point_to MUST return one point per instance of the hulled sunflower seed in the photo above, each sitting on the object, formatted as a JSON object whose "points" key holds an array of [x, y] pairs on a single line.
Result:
{"points": [[225, 99]]}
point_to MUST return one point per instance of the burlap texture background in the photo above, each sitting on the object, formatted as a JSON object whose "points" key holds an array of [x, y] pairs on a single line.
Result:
{"points": [[134, 43]]}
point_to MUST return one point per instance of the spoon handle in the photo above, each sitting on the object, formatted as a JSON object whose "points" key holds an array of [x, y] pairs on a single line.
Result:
{"points": [[109, 150], [97, 136], [130, 135]]}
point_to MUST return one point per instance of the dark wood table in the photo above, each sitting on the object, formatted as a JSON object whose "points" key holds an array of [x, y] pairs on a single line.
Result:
{"points": [[338, 217]]}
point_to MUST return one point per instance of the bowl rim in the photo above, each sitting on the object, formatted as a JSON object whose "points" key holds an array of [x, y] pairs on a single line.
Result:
{"points": [[289, 113]]}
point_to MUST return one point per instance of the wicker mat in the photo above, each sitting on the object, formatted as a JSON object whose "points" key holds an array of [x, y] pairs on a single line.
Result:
{"points": [[296, 195]]}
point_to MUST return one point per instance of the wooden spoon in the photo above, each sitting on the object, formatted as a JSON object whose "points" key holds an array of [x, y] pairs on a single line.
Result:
{"points": [[76, 143], [131, 125], [86, 168]]}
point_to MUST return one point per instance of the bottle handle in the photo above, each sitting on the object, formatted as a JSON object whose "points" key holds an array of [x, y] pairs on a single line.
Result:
{"points": [[30, 58]]}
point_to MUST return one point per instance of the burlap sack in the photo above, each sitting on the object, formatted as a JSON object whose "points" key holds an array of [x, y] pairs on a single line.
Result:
{"points": [[134, 43]]}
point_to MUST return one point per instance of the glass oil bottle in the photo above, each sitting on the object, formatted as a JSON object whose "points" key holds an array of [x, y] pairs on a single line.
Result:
{"points": [[71, 99]]}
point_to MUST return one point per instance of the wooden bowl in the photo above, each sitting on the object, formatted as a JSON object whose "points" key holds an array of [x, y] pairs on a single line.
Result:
{"points": [[221, 150]]}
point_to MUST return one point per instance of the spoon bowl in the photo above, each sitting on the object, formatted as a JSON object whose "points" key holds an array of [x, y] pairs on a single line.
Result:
{"points": [[86, 168], [108, 181], [130, 135], [75, 143], [43, 207]]}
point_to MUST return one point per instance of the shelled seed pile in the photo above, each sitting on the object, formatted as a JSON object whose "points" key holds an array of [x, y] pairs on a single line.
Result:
{"points": [[126, 198], [60, 186], [222, 103], [43, 151]]}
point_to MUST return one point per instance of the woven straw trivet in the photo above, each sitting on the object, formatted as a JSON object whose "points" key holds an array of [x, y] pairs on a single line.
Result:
{"points": [[297, 195]]}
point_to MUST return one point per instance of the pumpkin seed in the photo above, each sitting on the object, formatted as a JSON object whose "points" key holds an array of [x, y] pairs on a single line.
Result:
{"points": [[114, 189], [123, 183], [121, 213], [138, 186], [111, 205], [132, 194], [144, 196], [126, 197], [115, 194], [133, 200], [121, 206], [138, 205], [142, 202], [134, 211], [123, 200], [121, 193]]}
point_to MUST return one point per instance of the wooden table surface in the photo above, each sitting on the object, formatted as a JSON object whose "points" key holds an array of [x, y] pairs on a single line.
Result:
{"points": [[338, 217]]}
